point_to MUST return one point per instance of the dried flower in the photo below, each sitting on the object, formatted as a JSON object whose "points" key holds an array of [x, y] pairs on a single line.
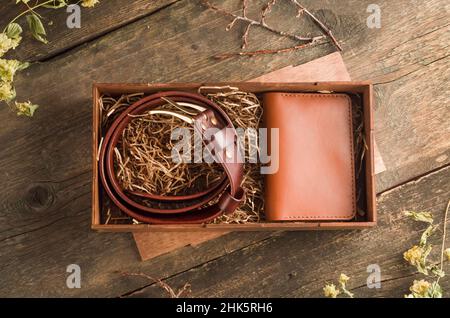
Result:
{"points": [[26, 108], [447, 253], [343, 279], [8, 69], [414, 255], [417, 256], [331, 291], [89, 3], [420, 287], [423, 289], [7, 43], [10, 38], [7, 92]]}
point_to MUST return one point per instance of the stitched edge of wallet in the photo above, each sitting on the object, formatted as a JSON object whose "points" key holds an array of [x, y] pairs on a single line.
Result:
{"points": [[349, 104]]}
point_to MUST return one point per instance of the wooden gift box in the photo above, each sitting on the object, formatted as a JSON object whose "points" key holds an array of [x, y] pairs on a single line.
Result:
{"points": [[362, 88]]}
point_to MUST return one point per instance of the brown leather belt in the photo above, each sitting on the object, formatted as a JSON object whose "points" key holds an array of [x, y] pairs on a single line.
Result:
{"points": [[222, 197]]}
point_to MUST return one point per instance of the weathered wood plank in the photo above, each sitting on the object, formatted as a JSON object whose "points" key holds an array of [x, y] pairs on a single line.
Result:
{"points": [[412, 123], [45, 162], [408, 60], [413, 34], [299, 264], [105, 17], [34, 263]]}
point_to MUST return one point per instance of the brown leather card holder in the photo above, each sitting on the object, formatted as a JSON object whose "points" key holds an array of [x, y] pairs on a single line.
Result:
{"points": [[315, 180]]}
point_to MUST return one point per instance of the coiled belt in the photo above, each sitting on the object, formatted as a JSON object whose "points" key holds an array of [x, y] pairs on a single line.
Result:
{"points": [[222, 197]]}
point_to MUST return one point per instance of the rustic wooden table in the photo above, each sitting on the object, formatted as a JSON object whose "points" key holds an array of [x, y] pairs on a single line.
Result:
{"points": [[45, 162]]}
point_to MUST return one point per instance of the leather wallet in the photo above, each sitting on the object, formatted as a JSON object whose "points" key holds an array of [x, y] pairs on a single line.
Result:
{"points": [[315, 179]]}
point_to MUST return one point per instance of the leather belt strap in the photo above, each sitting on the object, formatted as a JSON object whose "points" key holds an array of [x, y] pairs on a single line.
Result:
{"points": [[222, 197]]}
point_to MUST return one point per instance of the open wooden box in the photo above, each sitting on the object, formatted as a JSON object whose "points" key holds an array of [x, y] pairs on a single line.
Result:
{"points": [[362, 88]]}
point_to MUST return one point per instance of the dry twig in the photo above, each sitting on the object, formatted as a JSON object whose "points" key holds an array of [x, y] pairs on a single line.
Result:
{"points": [[266, 10], [261, 52], [325, 29], [263, 24]]}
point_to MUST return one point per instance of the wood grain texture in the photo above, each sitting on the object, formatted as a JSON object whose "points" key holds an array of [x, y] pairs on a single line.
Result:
{"points": [[105, 17], [45, 162], [408, 59]]}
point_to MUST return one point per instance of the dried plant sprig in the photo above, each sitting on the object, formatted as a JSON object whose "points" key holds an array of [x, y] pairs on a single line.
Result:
{"points": [[325, 29], [166, 287], [25, 108], [263, 52], [266, 10], [343, 279], [424, 289], [426, 217], [417, 256], [331, 291], [257, 23], [244, 7], [11, 37], [310, 41]]}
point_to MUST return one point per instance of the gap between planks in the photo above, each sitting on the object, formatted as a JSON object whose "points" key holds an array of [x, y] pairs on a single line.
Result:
{"points": [[414, 179], [140, 289], [100, 35]]}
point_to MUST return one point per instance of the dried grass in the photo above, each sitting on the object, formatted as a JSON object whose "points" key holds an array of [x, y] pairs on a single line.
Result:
{"points": [[360, 148], [245, 111], [143, 156]]}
